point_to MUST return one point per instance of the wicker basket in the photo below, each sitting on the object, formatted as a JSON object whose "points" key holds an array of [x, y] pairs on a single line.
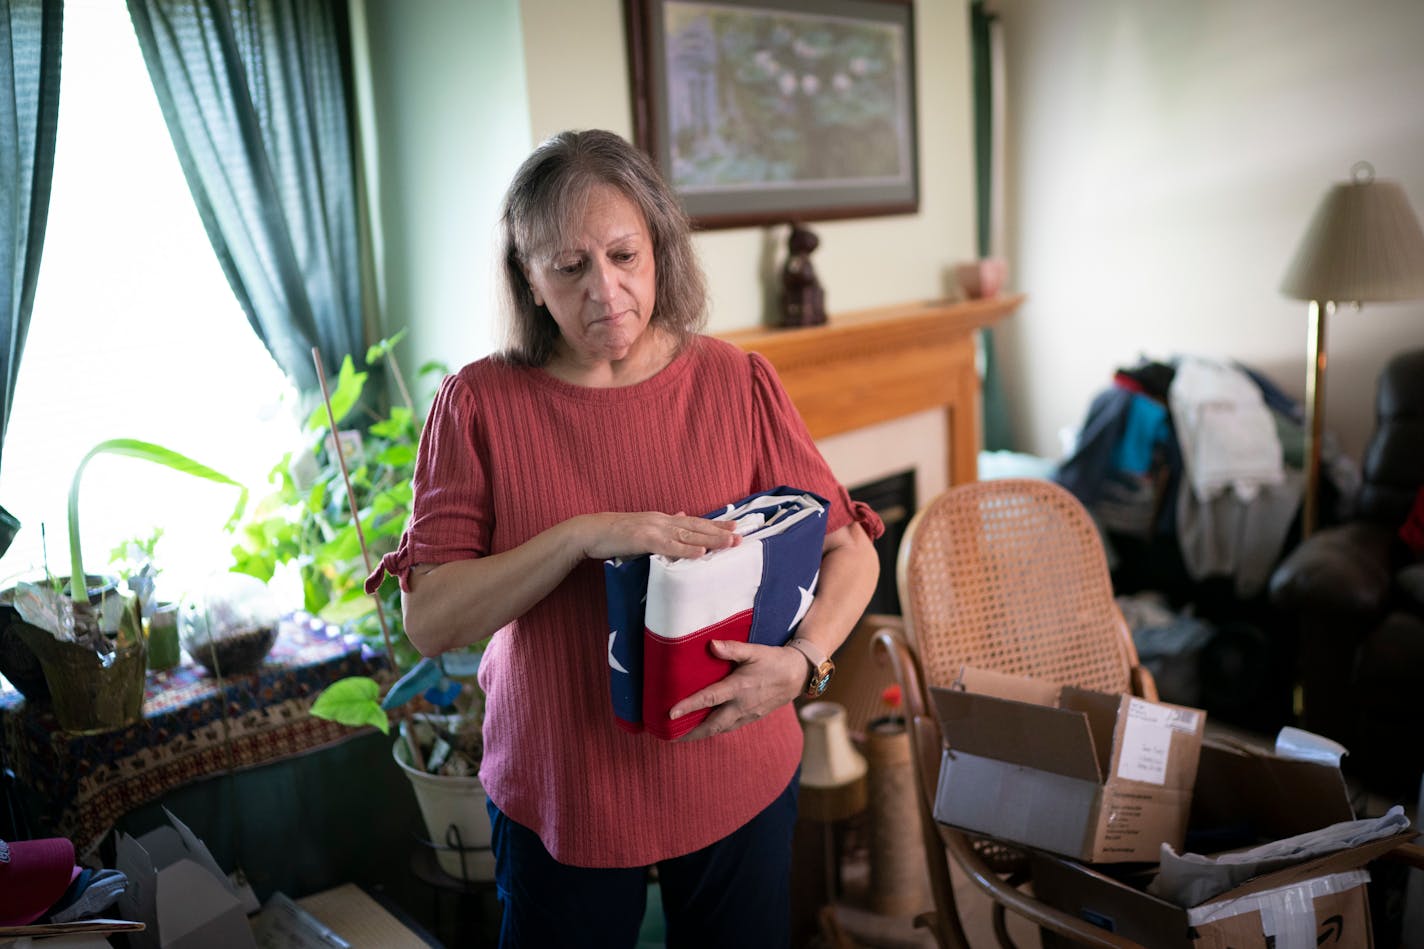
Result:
{"points": [[88, 696]]}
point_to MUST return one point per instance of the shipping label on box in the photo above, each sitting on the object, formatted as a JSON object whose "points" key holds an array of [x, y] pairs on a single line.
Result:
{"points": [[1098, 777]]}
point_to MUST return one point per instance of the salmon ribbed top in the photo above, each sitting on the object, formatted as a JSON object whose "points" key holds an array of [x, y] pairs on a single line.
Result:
{"points": [[510, 451]]}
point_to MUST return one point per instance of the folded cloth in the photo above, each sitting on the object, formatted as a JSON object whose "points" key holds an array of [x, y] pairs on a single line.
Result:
{"points": [[1189, 879], [663, 612], [33, 876]]}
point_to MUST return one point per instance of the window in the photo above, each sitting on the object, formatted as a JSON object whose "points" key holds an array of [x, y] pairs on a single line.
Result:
{"points": [[135, 333]]}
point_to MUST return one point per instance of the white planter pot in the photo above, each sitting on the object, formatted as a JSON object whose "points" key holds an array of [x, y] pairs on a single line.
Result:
{"points": [[447, 801]]}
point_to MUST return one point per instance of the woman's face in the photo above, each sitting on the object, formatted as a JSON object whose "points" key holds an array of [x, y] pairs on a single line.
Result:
{"points": [[600, 288]]}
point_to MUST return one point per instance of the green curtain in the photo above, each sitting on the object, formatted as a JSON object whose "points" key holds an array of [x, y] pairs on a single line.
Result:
{"points": [[255, 95], [996, 429], [30, 34]]}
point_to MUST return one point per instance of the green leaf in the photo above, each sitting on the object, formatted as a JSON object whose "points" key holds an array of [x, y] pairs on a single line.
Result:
{"points": [[145, 451], [316, 500], [344, 396], [353, 701], [397, 456], [401, 424], [380, 350], [344, 546]]}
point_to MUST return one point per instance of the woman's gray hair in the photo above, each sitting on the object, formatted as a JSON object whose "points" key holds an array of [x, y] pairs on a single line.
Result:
{"points": [[547, 197]]}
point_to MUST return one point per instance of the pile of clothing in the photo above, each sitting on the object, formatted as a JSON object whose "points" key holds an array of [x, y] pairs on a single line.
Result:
{"points": [[1202, 453]]}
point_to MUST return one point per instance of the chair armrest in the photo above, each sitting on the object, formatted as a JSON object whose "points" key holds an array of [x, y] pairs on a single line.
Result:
{"points": [[981, 875], [1344, 569], [926, 742], [1411, 855]]}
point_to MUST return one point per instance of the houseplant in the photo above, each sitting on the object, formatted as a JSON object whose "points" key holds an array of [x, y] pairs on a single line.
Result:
{"points": [[93, 654], [137, 564], [339, 504], [342, 501]]}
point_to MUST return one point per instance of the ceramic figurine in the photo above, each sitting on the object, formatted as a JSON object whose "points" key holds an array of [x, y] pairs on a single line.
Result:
{"points": [[803, 302]]}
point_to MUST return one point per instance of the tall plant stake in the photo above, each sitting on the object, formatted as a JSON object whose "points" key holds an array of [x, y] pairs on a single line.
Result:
{"points": [[416, 758]]}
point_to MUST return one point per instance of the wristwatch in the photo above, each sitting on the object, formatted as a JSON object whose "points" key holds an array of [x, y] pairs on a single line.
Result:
{"points": [[821, 667]]}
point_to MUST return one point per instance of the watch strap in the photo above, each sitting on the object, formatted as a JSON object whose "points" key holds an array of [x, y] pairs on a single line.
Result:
{"points": [[810, 650], [821, 666]]}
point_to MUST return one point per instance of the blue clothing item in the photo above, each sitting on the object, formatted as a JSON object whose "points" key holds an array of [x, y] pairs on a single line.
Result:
{"points": [[1145, 429], [1086, 470], [735, 892]]}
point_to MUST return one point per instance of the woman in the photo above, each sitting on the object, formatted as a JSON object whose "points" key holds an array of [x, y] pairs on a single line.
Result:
{"points": [[606, 427]]}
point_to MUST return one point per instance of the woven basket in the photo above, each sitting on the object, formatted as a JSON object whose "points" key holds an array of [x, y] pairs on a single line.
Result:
{"points": [[88, 696]]}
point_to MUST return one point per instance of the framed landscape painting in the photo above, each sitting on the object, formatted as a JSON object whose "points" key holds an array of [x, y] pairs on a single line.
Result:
{"points": [[768, 111]]}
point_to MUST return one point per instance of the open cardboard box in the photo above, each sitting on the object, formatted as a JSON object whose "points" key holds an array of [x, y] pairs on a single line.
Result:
{"points": [[1243, 796], [1098, 777], [180, 894]]}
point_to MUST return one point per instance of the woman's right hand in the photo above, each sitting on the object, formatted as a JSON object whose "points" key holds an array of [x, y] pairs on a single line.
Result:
{"points": [[652, 532]]}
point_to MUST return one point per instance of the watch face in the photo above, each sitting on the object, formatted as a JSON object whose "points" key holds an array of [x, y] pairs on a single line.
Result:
{"points": [[820, 680]]}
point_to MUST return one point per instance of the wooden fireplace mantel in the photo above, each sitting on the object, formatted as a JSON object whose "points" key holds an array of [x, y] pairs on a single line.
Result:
{"points": [[870, 366]]}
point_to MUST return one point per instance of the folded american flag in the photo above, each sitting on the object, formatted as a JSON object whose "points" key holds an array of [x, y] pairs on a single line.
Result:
{"points": [[663, 612]]}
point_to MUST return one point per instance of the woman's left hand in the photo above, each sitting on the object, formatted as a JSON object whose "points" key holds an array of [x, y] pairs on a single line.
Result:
{"points": [[765, 678]]}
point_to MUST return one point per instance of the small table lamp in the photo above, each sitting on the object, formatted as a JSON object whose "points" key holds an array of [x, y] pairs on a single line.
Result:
{"points": [[1363, 245]]}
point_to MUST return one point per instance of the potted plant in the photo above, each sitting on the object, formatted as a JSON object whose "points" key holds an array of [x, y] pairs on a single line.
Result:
{"points": [[136, 562], [341, 501], [93, 653]]}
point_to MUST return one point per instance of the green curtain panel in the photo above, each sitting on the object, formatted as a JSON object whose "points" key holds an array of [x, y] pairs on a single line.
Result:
{"points": [[255, 95], [30, 32], [997, 434]]}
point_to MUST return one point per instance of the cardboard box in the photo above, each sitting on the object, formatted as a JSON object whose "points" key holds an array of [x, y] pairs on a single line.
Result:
{"points": [[1102, 778], [1242, 798], [178, 891]]}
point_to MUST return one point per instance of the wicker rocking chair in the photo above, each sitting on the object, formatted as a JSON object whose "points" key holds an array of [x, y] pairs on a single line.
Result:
{"points": [[1006, 575]]}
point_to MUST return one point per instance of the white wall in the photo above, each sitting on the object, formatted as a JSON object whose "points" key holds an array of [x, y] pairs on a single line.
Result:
{"points": [[1164, 159]]}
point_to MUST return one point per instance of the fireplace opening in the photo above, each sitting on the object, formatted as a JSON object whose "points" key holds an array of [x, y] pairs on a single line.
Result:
{"points": [[893, 498]]}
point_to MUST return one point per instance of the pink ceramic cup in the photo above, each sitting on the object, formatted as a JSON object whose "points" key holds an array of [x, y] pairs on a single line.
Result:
{"points": [[982, 279]]}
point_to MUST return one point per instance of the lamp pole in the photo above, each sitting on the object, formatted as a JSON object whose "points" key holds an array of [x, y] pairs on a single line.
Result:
{"points": [[1315, 405]]}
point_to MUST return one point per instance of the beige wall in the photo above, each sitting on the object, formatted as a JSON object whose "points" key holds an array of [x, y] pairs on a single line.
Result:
{"points": [[455, 90], [578, 78], [1164, 159]]}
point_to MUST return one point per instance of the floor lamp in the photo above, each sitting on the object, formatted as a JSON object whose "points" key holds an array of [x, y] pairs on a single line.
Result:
{"points": [[1363, 245]]}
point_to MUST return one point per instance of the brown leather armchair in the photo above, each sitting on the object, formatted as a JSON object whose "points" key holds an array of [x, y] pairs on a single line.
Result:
{"points": [[1356, 591]]}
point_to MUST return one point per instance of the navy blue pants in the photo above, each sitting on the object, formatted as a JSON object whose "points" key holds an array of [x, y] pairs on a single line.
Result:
{"points": [[735, 892]]}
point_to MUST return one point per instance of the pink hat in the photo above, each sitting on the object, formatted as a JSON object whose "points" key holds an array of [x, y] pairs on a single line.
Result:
{"points": [[33, 876]]}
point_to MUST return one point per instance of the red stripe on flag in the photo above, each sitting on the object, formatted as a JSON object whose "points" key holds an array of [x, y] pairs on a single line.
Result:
{"points": [[673, 669]]}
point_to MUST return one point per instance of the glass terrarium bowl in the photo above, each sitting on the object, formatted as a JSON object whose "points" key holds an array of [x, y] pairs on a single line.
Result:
{"points": [[228, 625]]}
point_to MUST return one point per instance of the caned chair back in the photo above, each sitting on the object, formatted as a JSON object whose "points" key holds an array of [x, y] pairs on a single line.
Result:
{"points": [[1010, 575]]}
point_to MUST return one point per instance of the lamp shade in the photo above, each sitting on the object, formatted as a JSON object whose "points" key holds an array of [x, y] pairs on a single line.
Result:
{"points": [[1364, 244]]}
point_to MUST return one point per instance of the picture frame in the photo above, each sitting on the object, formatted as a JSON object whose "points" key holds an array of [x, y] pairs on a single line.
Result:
{"points": [[770, 111]]}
